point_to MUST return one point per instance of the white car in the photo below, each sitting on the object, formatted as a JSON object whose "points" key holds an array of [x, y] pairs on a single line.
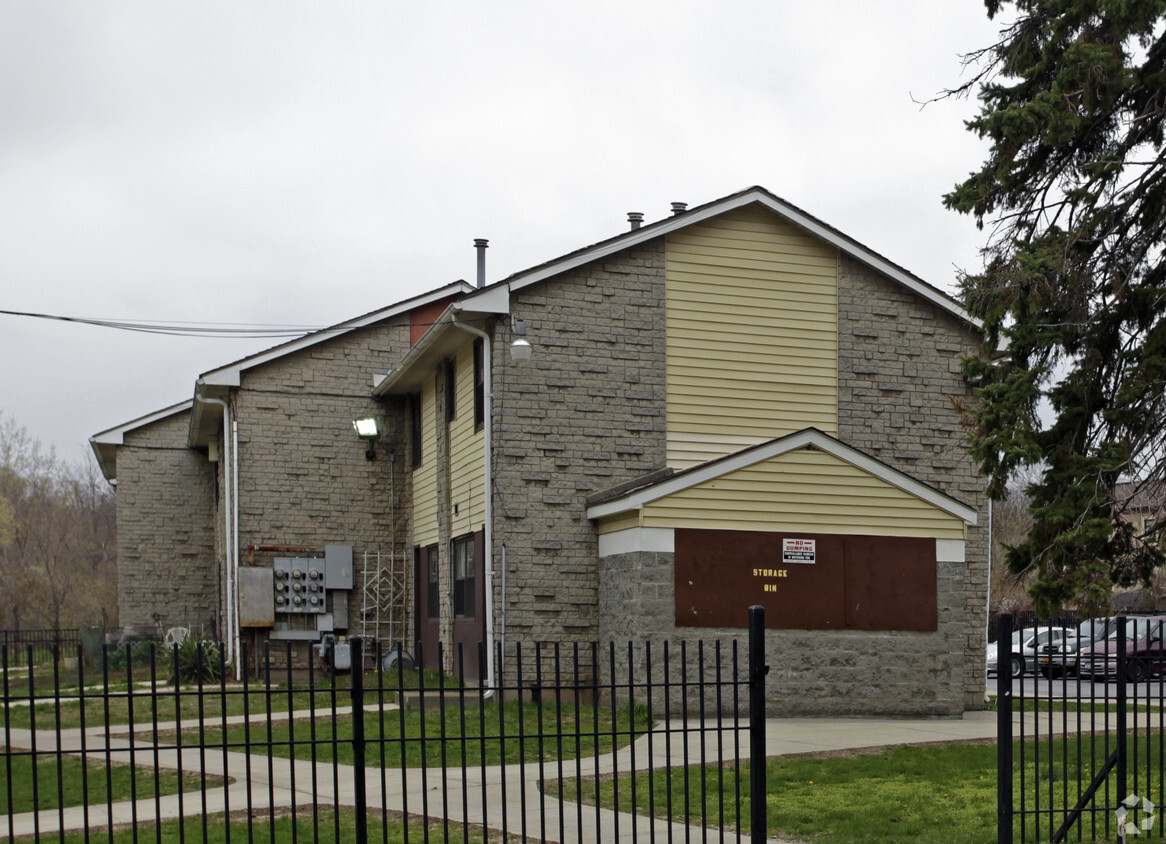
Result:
{"points": [[1024, 647]]}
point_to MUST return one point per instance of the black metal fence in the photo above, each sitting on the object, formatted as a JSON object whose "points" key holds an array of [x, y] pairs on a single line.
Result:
{"points": [[44, 643], [161, 744], [1081, 749]]}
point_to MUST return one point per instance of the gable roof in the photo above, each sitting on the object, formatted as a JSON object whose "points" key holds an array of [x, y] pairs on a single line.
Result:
{"points": [[494, 297], [621, 499], [229, 375], [216, 383], [105, 444]]}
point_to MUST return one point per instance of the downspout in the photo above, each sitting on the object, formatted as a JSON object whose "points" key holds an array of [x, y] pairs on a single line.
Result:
{"points": [[228, 513], [487, 431], [235, 542]]}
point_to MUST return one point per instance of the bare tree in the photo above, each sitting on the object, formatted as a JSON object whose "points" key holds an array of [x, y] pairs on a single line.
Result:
{"points": [[1011, 522], [57, 536]]}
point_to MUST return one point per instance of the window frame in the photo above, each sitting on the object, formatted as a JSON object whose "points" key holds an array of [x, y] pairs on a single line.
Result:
{"points": [[449, 366], [416, 430], [432, 584], [479, 386], [463, 579]]}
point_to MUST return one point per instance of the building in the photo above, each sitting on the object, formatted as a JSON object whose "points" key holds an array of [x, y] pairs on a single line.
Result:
{"points": [[736, 404]]}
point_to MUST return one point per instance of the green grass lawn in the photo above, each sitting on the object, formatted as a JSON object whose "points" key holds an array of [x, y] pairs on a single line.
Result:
{"points": [[322, 827], [942, 793], [169, 705], [494, 733], [187, 701], [85, 783]]}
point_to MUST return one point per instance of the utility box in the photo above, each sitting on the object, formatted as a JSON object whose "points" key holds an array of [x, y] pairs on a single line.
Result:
{"points": [[338, 566], [340, 610], [315, 587], [256, 597]]}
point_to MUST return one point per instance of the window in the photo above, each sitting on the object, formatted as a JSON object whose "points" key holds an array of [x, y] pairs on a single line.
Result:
{"points": [[479, 387], [463, 577], [450, 390], [415, 427], [432, 610]]}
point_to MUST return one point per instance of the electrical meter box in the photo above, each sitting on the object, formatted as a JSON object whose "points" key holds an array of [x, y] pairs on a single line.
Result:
{"points": [[315, 587], [299, 585]]}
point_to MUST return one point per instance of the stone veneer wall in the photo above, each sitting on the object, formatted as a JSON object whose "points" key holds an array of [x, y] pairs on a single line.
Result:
{"points": [[811, 672], [899, 371], [303, 477], [585, 413], [165, 537]]}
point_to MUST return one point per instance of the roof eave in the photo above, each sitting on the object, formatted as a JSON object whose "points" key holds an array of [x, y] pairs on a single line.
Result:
{"points": [[106, 443], [811, 437], [231, 374], [206, 415], [715, 208], [442, 339]]}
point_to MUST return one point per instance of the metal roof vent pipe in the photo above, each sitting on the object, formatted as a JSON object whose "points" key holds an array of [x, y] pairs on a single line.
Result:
{"points": [[635, 219], [679, 207], [480, 243]]}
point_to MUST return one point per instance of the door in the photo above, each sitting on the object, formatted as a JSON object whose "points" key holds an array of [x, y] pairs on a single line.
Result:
{"points": [[426, 598], [468, 585]]}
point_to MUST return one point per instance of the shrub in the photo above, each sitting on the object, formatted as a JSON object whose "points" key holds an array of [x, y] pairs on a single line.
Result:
{"points": [[196, 661], [139, 655]]}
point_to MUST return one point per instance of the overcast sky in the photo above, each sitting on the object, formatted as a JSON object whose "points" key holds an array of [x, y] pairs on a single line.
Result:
{"points": [[303, 163]]}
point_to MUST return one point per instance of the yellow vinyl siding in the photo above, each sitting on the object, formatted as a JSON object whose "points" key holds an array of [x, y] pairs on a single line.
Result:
{"points": [[808, 491], [425, 475], [752, 335], [620, 521], [466, 469]]}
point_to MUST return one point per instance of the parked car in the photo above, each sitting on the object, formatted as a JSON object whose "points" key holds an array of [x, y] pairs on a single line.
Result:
{"points": [[1145, 651], [1059, 658], [1024, 648]]}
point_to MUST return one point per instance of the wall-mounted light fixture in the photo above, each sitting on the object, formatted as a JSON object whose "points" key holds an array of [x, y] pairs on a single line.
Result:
{"points": [[520, 347], [366, 429]]}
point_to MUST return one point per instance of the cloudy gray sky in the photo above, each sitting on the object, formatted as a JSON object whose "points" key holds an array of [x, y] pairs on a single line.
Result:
{"points": [[304, 162]]}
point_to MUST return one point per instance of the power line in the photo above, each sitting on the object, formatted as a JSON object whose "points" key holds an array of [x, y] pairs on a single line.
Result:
{"points": [[231, 330], [191, 329]]}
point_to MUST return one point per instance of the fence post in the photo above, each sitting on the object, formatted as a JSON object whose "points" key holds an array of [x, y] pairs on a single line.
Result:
{"points": [[757, 672], [356, 672], [1122, 704], [1004, 728]]}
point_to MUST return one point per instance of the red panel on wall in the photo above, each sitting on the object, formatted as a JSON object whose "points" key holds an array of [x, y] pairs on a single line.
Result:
{"points": [[422, 317], [805, 580]]}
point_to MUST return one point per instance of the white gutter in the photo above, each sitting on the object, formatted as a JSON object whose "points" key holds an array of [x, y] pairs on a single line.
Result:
{"points": [[487, 428], [228, 516]]}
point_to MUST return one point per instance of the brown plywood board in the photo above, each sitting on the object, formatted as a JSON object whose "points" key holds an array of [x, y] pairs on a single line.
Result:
{"points": [[805, 580], [891, 584]]}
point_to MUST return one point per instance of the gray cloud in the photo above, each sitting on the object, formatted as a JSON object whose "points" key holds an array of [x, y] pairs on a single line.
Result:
{"points": [[305, 162]]}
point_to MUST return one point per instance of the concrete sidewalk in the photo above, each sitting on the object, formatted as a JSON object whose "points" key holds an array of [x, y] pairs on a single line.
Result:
{"points": [[523, 798]]}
